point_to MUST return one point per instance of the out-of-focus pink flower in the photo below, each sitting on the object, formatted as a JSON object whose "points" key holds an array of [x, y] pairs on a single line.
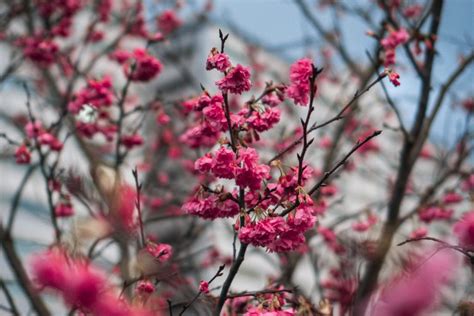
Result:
{"points": [[161, 252], [236, 81], [434, 212], [41, 51], [168, 21], [145, 287], [81, 285], [416, 293], [464, 230], [452, 198], [204, 287], [98, 93], [413, 11], [50, 269], [419, 232], [22, 155], [130, 141], [64, 209], [145, 66]]}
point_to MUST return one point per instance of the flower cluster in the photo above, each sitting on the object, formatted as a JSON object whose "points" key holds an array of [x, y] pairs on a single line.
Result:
{"points": [[211, 206], [168, 21], [98, 93], [300, 74], [391, 42], [37, 132], [237, 80], [138, 65], [434, 212], [41, 51], [216, 60]]}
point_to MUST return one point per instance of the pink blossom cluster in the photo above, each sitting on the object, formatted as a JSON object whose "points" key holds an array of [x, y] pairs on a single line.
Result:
{"points": [[211, 206], [97, 93], [168, 21], [160, 252], [278, 234], [36, 131], [237, 80], [261, 121], [435, 212], [362, 226], [391, 42], [300, 74], [216, 60], [22, 155], [243, 167], [40, 50], [81, 285], [138, 65]]}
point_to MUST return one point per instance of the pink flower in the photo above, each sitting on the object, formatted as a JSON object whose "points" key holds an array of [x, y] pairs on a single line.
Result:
{"points": [[248, 172], [216, 60], [22, 155], [413, 11], [64, 209], [168, 21], [97, 93], [145, 66], [84, 285], [434, 212], [204, 287], [80, 284], [130, 141], [236, 81], [395, 38], [393, 77], [464, 230], [50, 269], [300, 74], [204, 164], [161, 252], [211, 207], [33, 130], [363, 226], [452, 198], [415, 293], [223, 165], [419, 232], [263, 232], [40, 50], [263, 121], [145, 287]]}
